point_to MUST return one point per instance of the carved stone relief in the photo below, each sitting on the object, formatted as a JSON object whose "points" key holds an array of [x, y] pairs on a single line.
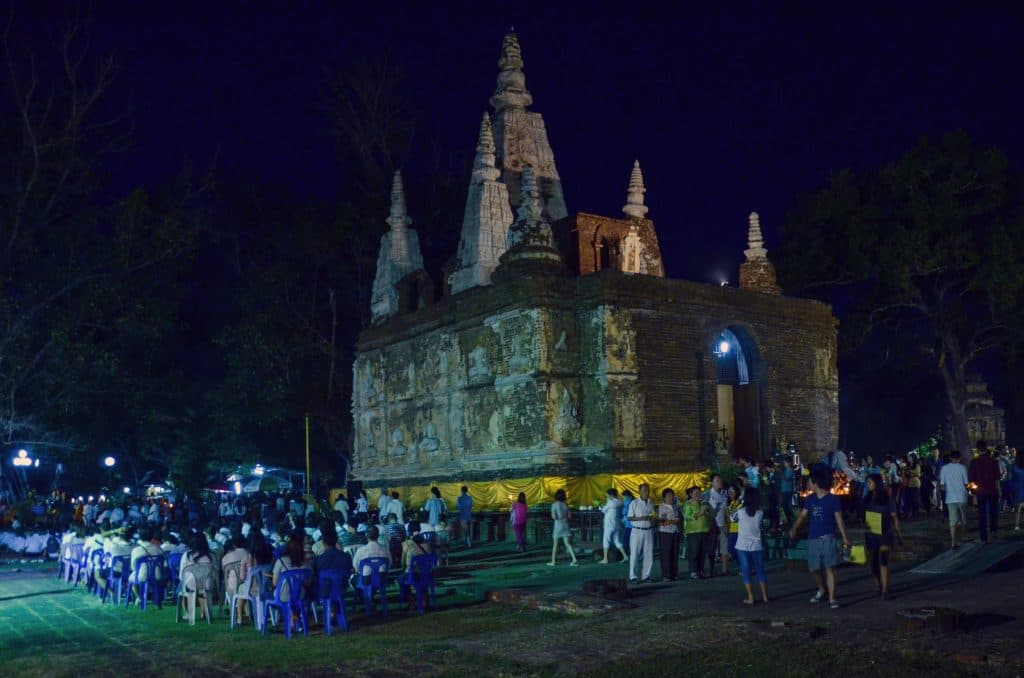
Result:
{"points": [[397, 447], [567, 425]]}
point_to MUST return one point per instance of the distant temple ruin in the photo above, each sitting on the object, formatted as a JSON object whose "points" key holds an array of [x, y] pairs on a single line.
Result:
{"points": [[557, 347]]}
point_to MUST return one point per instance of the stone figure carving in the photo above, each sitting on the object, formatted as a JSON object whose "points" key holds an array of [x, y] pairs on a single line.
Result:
{"points": [[560, 344], [369, 451], [442, 367], [397, 448], [458, 439], [429, 442], [369, 387], [518, 362], [479, 370], [567, 426]]}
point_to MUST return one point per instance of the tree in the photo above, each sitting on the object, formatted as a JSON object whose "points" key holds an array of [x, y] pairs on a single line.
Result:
{"points": [[928, 246], [85, 297]]}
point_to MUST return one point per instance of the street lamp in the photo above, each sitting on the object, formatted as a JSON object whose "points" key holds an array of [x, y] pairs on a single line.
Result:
{"points": [[109, 462]]}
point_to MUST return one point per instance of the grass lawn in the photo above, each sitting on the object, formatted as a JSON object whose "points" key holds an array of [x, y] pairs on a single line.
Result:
{"points": [[49, 629]]}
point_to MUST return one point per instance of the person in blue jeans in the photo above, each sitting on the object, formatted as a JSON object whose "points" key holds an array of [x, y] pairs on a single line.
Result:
{"points": [[749, 548], [627, 527], [825, 515]]}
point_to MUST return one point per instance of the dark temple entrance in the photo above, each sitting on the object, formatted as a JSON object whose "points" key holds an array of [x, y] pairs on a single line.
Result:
{"points": [[741, 426]]}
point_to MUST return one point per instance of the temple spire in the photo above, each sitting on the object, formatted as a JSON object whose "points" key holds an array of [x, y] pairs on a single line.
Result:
{"points": [[511, 91], [398, 218], [398, 257], [531, 244], [634, 207], [483, 165], [757, 273], [486, 219], [755, 242]]}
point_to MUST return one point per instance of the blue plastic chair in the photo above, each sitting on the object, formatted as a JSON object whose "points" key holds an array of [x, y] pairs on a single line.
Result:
{"points": [[293, 581], [117, 579], [152, 582], [75, 554], [420, 577], [331, 587], [376, 581], [173, 572], [96, 562], [67, 557]]}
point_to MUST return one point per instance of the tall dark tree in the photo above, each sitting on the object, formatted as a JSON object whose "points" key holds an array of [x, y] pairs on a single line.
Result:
{"points": [[928, 247], [84, 273]]}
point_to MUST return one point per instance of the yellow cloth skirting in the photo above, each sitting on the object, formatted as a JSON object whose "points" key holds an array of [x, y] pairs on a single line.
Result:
{"points": [[497, 495]]}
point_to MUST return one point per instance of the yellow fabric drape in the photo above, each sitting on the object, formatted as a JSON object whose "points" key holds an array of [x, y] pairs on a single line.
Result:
{"points": [[495, 495]]}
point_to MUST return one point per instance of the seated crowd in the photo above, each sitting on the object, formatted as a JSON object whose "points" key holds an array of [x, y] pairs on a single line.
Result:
{"points": [[235, 549]]}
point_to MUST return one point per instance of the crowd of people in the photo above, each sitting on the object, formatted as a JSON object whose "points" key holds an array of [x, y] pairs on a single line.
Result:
{"points": [[725, 522], [712, 526], [235, 535]]}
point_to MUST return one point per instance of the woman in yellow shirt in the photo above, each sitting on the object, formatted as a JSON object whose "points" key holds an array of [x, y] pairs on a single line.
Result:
{"points": [[912, 486], [735, 504]]}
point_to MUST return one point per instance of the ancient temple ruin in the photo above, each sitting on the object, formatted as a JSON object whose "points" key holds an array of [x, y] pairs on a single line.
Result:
{"points": [[558, 348]]}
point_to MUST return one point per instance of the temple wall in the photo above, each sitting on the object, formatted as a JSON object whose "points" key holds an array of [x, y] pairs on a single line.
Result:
{"points": [[550, 375]]}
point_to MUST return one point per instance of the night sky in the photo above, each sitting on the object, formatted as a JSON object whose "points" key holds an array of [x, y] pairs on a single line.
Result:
{"points": [[729, 109]]}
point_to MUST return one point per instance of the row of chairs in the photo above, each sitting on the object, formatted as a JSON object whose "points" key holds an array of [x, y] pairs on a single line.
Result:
{"points": [[155, 576]]}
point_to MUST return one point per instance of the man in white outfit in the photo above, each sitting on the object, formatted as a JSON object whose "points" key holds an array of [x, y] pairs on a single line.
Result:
{"points": [[641, 540]]}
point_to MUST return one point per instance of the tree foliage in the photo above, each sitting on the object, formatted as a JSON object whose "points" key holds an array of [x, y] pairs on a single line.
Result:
{"points": [[87, 297], [927, 247]]}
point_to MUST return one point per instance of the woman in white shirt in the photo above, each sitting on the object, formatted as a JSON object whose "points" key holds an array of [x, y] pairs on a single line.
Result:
{"points": [[748, 544]]}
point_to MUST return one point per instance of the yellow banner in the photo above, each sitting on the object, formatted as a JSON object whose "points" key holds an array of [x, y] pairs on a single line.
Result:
{"points": [[498, 495]]}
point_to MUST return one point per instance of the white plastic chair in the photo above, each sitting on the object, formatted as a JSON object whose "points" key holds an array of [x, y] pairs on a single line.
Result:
{"points": [[198, 582], [245, 593]]}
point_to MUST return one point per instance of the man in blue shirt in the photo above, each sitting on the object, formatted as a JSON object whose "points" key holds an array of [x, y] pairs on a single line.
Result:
{"points": [[464, 505], [751, 472], [825, 513]]}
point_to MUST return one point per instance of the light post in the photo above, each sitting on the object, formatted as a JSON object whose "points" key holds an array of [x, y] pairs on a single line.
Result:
{"points": [[21, 461], [109, 462]]}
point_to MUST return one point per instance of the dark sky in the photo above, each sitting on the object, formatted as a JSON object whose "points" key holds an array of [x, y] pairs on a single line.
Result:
{"points": [[728, 109]]}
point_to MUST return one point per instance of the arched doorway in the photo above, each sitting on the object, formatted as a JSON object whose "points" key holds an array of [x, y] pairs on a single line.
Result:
{"points": [[741, 425], [609, 255]]}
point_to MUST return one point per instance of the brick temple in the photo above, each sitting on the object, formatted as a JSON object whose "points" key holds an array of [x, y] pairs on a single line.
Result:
{"points": [[557, 346]]}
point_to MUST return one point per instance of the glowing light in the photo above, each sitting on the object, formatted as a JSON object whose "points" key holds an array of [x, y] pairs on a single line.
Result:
{"points": [[127, 490], [22, 454], [723, 347], [238, 487], [109, 462], [72, 500], [37, 463], [258, 470], [23, 459], [90, 497], [103, 497]]}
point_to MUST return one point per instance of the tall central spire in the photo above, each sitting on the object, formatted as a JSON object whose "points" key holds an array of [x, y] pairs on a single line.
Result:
{"points": [[511, 91], [520, 137]]}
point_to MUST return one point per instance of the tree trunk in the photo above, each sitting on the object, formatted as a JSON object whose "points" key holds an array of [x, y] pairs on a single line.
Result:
{"points": [[954, 377]]}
